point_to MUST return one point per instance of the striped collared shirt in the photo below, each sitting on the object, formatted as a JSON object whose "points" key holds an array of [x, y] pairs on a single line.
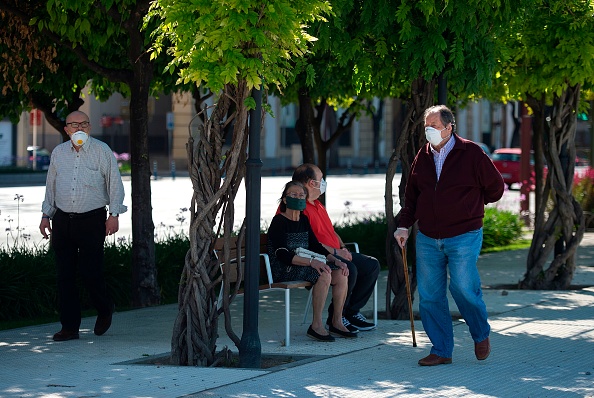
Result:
{"points": [[440, 157], [78, 182]]}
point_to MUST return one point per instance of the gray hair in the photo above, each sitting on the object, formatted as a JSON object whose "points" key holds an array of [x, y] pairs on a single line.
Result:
{"points": [[445, 114]]}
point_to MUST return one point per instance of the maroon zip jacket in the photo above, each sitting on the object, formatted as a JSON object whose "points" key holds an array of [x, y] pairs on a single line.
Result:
{"points": [[456, 203]]}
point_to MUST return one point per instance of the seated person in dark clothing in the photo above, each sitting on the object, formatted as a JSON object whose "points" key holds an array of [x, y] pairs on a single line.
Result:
{"points": [[290, 230]]}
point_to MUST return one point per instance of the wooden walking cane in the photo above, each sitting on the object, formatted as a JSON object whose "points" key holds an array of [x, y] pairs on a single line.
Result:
{"points": [[410, 310]]}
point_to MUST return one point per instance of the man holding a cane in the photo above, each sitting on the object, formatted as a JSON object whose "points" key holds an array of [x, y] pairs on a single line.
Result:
{"points": [[451, 181]]}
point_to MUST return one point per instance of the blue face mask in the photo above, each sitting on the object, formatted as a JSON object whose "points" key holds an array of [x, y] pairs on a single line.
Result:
{"points": [[295, 203]]}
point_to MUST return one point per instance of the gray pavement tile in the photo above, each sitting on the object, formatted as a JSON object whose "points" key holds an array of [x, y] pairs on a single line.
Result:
{"points": [[531, 357], [542, 347]]}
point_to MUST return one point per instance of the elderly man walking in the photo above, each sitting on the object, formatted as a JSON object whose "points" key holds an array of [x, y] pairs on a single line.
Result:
{"points": [[450, 182], [83, 178]]}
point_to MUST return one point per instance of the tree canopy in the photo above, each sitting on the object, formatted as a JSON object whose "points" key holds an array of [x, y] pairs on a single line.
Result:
{"points": [[257, 41], [549, 58], [108, 42], [36, 73]]}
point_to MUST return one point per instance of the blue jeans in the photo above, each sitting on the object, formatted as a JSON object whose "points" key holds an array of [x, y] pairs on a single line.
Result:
{"points": [[458, 254]]}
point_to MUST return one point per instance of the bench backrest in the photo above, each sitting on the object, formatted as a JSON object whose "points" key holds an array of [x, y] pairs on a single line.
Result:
{"points": [[235, 252]]}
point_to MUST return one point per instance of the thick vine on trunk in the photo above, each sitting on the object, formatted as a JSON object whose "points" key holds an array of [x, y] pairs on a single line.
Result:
{"points": [[559, 223], [409, 141], [215, 187]]}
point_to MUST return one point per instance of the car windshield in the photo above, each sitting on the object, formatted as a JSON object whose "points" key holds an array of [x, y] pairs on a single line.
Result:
{"points": [[508, 157]]}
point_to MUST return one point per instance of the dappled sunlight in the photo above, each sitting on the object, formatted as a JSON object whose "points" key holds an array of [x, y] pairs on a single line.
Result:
{"points": [[389, 388], [14, 344], [567, 299], [378, 389], [275, 392], [553, 307], [404, 338], [19, 344], [582, 330], [585, 390]]}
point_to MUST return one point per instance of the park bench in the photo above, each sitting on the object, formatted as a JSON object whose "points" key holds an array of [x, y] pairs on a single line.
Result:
{"points": [[266, 282]]}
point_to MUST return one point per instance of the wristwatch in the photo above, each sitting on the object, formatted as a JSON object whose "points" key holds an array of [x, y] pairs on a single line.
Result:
{"points": [[114, 214]]}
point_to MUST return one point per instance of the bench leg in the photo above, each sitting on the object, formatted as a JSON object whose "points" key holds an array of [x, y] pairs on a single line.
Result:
{"points": [[375, 304], [307, 306], [220, 298], [287, 318]]}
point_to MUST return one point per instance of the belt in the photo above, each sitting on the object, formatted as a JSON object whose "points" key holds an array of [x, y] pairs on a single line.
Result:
{"points": [[87, 214]]}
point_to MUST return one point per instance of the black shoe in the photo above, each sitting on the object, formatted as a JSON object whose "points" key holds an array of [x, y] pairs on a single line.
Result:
{"points": [[65, 335], [102, 324], [316, 336], [338, 332], [346, 324], [360, 322]]}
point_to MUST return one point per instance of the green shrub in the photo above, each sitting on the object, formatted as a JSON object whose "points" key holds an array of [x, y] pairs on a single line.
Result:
{"points": [[170, 256], [118, 273], [583, 190], [500, 227], [370, 233], [28, 283]]}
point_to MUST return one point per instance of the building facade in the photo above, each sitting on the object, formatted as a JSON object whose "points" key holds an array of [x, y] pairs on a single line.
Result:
{"points": [[171, 120]]}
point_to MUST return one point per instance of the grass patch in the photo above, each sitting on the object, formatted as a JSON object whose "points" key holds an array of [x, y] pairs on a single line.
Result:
{"points": [[517, 245]]}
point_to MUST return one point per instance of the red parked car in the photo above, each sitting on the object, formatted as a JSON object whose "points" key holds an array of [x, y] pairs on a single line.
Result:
{"points": [[507, 161]]}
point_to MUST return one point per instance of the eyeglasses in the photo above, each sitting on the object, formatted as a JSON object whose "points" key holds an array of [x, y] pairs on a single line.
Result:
{"points": [[297, 195], [76, 125]]}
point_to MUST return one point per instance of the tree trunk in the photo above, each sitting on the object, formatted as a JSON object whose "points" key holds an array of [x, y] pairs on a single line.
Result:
{"points": [[538, 133], [196, 326], [337, 128], [377, 119], [304, 126], [309, 129], [145, 286], [330, 122], [410, 139], [562, 228]]}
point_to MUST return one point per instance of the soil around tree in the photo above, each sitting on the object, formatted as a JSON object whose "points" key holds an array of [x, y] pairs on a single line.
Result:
{"points": [[268, 361]]}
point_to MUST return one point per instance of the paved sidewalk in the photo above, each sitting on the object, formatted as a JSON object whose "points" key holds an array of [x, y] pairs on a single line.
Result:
{"points": [[542, 341]]}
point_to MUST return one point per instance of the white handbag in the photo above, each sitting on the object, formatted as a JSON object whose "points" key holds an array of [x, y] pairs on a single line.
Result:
{"points": [[301, 252]]}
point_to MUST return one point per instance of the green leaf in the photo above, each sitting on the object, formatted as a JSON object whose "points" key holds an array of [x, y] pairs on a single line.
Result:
{"points": [[250, 103]]}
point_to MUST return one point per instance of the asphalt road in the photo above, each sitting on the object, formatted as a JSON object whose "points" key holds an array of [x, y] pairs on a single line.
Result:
{"points": [[347, 197]]}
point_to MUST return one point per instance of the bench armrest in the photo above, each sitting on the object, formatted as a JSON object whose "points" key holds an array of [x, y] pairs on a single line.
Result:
{"points": [[354, 244]]}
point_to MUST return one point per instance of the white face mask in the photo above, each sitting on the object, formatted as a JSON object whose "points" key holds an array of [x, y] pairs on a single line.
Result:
{"points": [[322, 187], [79, 138], [433, 135]]}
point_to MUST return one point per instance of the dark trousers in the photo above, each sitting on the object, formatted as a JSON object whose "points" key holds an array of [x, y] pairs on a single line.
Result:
{"points": [[77, 240], [363, 273]]}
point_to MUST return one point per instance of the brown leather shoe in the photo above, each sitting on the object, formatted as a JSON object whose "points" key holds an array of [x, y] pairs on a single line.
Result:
{"points": [[102, 324], [482, 349], [434, 359], [65, 335]]}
